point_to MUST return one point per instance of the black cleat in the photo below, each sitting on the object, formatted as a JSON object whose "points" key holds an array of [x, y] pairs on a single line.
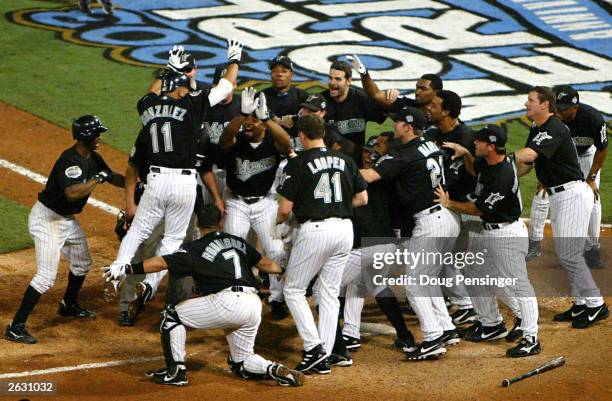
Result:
{"points": [[471, 331], [278, 310], [463, 316], [124, 319], [343, 359], [312, 358], [19, 334], [526, 347], [405, 344], [285, 376], [172, 377], [450, 337], [322, 368], [489, 333], [572, 313], [591, 316], [427, 350], [351, 343], [516, 331], [74, 310]]}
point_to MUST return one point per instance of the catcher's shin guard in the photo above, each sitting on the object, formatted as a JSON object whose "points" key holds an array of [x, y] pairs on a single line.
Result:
{"points": [[172, 338]]}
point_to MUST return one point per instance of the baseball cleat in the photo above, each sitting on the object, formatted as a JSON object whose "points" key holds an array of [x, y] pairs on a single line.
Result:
{"points": [[593, 259], [74, 310], [572, 313], [143, 292], [311, 358], [405, 344], [591, 316], [526, 347], [463, 316], [340, 359], [427, 350], [351, 343], [535, 250], [489, 333], [322, 368], [19, 334], [156, 373], [471, 331], [176, 377], [285, 376], [278, 310], [238, 370], [516, 331], [450, 337], [124, 319]]}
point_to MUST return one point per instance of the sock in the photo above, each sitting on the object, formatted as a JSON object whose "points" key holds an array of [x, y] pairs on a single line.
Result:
{"points": [[73, 288], [339, 346], [388, 304], [29, 301]]}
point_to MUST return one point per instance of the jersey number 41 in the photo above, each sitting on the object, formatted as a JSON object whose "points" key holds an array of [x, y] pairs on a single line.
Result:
{"points": [[329, 190]]}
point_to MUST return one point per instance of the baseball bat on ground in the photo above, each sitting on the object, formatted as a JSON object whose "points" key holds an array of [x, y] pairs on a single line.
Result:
{"points": [[550, 365]]}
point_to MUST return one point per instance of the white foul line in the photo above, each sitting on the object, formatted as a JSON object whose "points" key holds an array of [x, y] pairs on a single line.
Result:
{"points": [[43, 180], [78, 367]]}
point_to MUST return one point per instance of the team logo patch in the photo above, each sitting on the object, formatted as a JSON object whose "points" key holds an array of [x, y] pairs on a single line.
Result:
{"points": [[73, 172], [542, 136], [494, 198]]}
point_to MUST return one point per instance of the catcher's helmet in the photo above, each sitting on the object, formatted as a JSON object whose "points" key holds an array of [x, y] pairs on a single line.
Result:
{"points": [[172, 80], [87, 127]]}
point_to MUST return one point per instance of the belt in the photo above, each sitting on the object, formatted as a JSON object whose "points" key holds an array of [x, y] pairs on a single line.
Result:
{"points": [[249, 200], [320, 220], [495, 226], [166, 170], [424, 212], [561, 188], [238, 288]]}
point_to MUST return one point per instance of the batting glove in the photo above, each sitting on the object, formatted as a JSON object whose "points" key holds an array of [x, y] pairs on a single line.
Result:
{"points": [[262, 111], [248, 103], [103, 176], [234, 51], [357, 64], [177, 60]]}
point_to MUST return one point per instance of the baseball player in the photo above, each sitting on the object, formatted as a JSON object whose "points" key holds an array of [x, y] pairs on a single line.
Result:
{"points": [[349, 108], [416, 169], [551, 148], [444, 110], [390, 99], [321, 187], [107, 6], [220, 264], [497, 200], [588, 131], [54, 228], [171, 117]]}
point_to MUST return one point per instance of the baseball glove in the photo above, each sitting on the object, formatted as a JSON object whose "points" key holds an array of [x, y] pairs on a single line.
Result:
{"points": [[122, 226]]}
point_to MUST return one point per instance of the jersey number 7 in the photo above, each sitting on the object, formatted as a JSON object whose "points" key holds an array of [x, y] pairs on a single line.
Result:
{"points": [[325, 191], [233, 255]]}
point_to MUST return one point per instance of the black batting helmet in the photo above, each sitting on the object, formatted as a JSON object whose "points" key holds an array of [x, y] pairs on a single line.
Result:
{"points": [[87, 127], [172, 80]]}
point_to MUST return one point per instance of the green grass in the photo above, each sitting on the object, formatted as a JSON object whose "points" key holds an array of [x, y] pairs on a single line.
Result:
{"points": [[13, 226]]}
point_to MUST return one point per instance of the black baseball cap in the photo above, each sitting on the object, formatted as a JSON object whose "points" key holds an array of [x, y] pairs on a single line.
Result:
{"points": [[412, 116], [369, 146], [219, 73], [492, 134], [314, 103], [282, 60], [566, 97]]}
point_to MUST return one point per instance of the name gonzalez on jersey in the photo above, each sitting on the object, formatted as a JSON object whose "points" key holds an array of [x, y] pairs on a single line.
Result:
{"points": [[162, 111], [219, 245]]}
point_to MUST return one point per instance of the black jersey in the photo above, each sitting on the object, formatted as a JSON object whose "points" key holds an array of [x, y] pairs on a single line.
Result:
{"points": [[373, 219], [285, 103], [415, 169], [218, 117], [351, 115], [459, 181], [69, 169], [139, 157], [498, 193], [588, 128], [251, 167], [216, 261], [321, 184], [557, 161], [171, 127], [332, 136]]}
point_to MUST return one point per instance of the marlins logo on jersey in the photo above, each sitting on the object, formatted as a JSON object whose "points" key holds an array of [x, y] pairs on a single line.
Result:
{"points": [[542, 136], [246, 169], [493, 198]]}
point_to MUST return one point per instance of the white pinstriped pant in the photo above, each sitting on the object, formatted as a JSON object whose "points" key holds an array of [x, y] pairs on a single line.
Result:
{"points": [[261, 217], [237, 312], [323, 248], [169, 197], [53, 235], [433, 233], [506, 248], [540, 205]]}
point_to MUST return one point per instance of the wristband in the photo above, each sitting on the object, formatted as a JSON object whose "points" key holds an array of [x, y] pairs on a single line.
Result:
{"points": [[137, 268]]}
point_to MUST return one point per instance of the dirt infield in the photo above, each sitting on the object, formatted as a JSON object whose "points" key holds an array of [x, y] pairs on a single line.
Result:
{"points": [[468, 371]]}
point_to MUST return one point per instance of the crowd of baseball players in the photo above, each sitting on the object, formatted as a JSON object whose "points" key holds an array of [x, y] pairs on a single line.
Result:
{"points": [[215, 178]]}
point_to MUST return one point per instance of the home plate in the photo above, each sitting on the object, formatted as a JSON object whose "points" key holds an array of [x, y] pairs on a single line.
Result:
{"points": [[374, 329]]}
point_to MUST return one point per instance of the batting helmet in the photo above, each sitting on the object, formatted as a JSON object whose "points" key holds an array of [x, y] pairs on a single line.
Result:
{"points": [[172, 80], [87, 127]]}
